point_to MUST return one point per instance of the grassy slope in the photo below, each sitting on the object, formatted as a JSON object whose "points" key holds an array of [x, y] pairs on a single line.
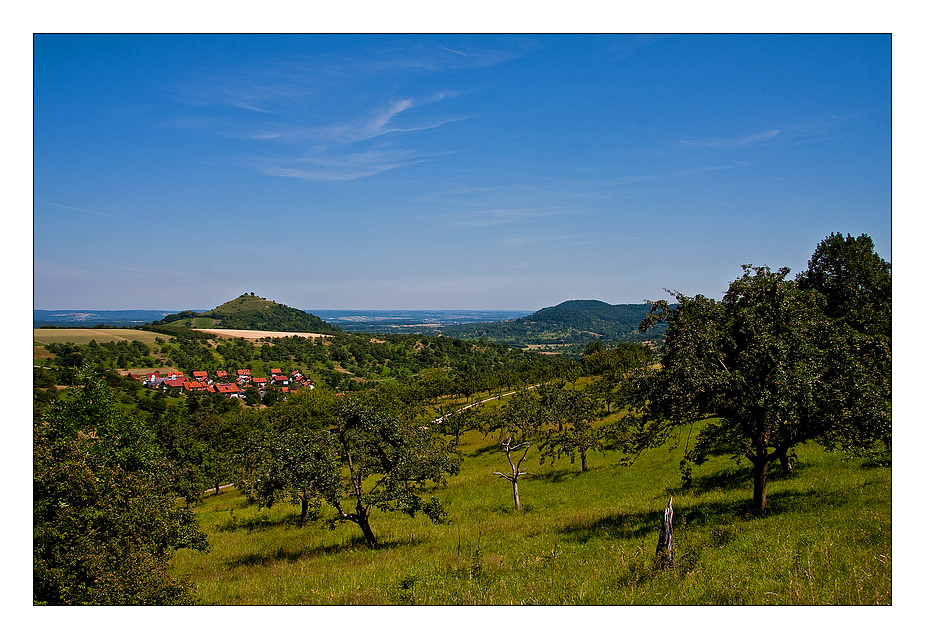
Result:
{"points": [[583, 538]]}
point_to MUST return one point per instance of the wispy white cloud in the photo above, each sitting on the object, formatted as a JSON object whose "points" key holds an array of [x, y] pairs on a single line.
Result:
{"points": [[336, 166], [502, 216], [299, 101], [732, 142], [110, 216]]}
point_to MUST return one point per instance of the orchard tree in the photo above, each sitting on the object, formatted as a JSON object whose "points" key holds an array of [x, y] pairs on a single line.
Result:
{"points": [[105, 524], [766, 362], [856, 282], [572, 414], [354, 456], [291, 455], [387, 462], [517, 424], [858, 289]]}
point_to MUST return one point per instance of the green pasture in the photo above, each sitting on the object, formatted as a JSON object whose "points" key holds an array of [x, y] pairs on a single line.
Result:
{"points": [[581, 538]]}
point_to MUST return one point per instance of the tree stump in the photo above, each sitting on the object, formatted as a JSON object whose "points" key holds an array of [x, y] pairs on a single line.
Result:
{"points": [[665, 549]]}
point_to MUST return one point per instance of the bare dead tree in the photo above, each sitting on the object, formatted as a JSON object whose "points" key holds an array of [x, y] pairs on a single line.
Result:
{"points": [[665, 548], [515, 468]]}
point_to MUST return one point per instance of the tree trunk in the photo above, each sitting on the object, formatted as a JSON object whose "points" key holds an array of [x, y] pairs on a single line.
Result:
{"points": [[216, 486], [760, 493], [584, 459], [664, 552], [304, 519], [363, 520], [516, 494]]}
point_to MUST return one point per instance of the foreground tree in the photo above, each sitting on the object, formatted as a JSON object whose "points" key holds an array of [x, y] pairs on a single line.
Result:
{"points": [[388, 462], [105, 523], [856, 282], [356, 457], [858, 289], [767, 363], [292, 454]]}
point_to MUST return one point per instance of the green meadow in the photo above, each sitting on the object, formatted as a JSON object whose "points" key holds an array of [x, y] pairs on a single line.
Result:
{"points": [[581, 538]]}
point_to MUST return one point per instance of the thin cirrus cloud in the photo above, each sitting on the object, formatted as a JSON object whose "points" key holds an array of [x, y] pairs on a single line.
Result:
{"points": [[339, 166], [291, 102], [342, 151], [733, 142]]}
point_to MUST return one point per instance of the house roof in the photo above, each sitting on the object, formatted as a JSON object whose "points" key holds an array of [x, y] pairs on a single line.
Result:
{"points": [[227, 388]]}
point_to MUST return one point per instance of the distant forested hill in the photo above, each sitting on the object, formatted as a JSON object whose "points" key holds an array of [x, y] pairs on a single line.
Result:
{"points": [[251, 312], [572, 322]]}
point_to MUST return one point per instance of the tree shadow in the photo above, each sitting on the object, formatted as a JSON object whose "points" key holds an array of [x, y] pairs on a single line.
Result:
{"points": [[739, 477], [258, 522], [281, 555], [556, 475], [493, 447], [622, 526]]}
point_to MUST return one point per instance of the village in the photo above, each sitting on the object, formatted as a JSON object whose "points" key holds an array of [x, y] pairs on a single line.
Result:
{"points": [[223, 383]]}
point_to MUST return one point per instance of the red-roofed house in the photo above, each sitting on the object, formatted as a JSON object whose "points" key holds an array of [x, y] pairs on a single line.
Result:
{"points": [[231, 390], [221, 374], [170, 384], [200, 376]]}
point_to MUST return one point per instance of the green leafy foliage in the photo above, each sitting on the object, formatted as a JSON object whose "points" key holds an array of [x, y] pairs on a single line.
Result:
{"points": [[104, 521], [354, 454], [770, 365]]}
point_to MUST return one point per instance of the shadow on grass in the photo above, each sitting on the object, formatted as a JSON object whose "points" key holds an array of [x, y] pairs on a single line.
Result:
{"points": [[493, 447], [280, 555], [622, 526], [556, 475], [257, 523], [739, 477], [722, 516]]}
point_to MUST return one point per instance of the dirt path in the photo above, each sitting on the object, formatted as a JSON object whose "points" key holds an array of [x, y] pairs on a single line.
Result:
{"points": [[472, 405]]}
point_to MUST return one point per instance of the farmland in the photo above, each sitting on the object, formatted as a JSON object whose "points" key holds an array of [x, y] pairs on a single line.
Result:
{"points": [[81, 336]]}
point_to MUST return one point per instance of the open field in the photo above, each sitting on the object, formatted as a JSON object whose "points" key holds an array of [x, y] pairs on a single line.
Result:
{"points": [[582, 538], [255, 335], [79, 336]]}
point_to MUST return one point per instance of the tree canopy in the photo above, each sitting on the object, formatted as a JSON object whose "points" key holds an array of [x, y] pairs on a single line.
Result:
{"points": [[770, 366], [104, 519]]}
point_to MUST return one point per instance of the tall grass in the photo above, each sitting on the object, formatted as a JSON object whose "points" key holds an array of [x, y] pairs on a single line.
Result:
{"points": [[581, 538]]}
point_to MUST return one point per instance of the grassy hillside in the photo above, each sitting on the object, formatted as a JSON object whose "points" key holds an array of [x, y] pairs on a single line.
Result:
{"points": [[573, 323], [582, 538], [251, 312]]}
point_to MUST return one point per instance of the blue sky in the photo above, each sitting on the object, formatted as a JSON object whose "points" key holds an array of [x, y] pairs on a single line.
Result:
{"points": [[437, 172]]}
